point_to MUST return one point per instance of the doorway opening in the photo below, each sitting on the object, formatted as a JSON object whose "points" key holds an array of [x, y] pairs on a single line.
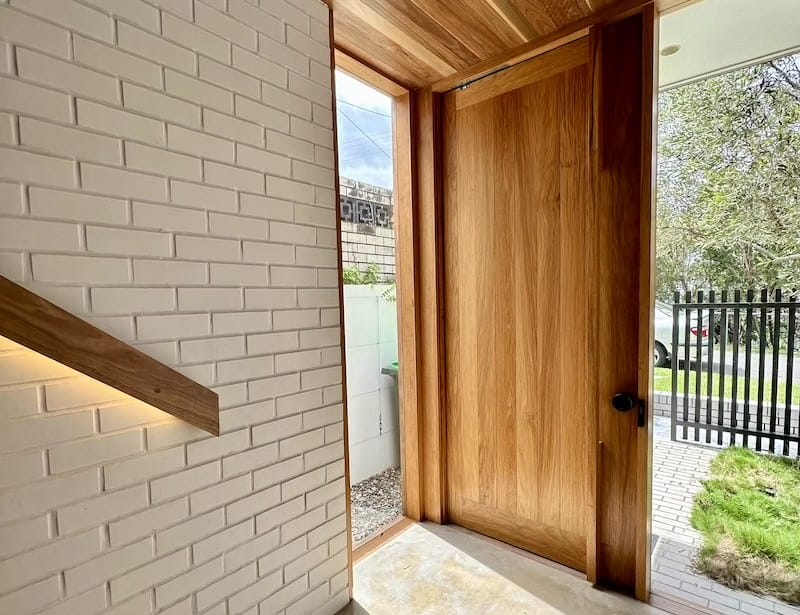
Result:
{"points": [[726, 479], [374, 160]]}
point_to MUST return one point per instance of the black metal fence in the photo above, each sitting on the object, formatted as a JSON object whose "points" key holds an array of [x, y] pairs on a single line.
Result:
{"points": [[733, 359]]}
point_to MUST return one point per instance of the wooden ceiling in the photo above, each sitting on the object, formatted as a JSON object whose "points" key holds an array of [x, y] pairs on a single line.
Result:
{"points": [[420, 42]]}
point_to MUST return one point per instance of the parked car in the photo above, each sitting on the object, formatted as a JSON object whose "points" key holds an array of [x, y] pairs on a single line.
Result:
{"points": [[663, 334]]}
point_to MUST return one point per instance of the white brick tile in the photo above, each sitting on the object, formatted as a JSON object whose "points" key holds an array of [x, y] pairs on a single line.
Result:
{"points": [[108, 565], [148, 576], [18, 402], [151, 328], [312, 173], [78, 392], [319, 51], [101, 510], [134, 606], [10, 198], [115, 62], [169, 218], [289, 593], [130, 414], [262, 160], [273, 387], [233, 177], [114, 121], [249, 460], [285, 554], [144, 523], [322, 75], [241, 322], [282, 143], [204, 248], [203, 197], [285, 101], [251, 595], [169, 272], [27, 30], [272, 342], [321, 417], [52, 557], [195, 38], [297, 361], [189, 531], [184, 482], [288, 13], [324, 455], [264, 22], [40, 431], [277, 473], [31, 597], [94, 451], [90, 602], [225, 26], [232, 128], [27, 167], [198, 91], [225, 587], [211, 349], [20, 536], [82, 207], [200, 144], [194, 580], [299, 403], [138, 469], [283, 55], [295, 319], [292, 233], [305, 562], [21, 468], [309, 131], [312, 90], [37, 497], [229, 78], [225, 274], [243, 369], [128, 242], [270, 253], [159, 105], [217, 544], [123, 183], [63, 75], [277, 430], [134, 11], [288, 189], [317, 10], [220, 494], [8, 130], [218, 447], [237, 226], [250, 414], [79, 269], [254, 205], [162, 162], [209, 299], [261, 114], [154, 47], [252, 550], [258, 66]]}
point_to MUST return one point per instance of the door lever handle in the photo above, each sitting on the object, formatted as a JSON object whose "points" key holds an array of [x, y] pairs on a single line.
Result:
{"points": [[625, 402]]}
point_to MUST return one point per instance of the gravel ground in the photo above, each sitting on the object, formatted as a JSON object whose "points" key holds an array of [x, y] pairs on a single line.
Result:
{"points": [[376, 501]]}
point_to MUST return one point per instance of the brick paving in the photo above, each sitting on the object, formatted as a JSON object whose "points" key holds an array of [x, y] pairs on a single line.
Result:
{"points": [[678, 470]]}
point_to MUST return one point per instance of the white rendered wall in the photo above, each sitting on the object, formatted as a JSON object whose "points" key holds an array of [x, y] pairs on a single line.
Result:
{"points": [[372, 412]]}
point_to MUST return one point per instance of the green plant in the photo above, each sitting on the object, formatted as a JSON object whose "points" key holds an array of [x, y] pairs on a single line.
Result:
{"points": [[749, 513], [353, 275]]}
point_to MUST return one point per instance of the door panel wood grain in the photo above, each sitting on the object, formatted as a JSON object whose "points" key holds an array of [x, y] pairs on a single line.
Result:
{"points": [[516, 309]]}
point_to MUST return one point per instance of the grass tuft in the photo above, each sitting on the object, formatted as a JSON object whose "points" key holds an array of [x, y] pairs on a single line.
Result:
{"points": [[749, 516]]}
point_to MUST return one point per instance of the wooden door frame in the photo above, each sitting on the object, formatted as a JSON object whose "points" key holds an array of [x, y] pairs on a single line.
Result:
{"points": [[429, 268], [407, 293]]}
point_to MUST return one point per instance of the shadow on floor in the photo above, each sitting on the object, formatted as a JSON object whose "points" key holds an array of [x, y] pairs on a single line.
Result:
{"points": [[431, 569]]}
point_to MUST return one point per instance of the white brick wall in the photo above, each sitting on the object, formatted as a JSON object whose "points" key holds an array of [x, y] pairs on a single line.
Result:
{"points": [[166, 174]]}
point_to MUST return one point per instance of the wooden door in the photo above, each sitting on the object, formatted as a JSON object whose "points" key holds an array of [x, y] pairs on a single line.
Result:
{"points": [[516, 304], [546, 235]]}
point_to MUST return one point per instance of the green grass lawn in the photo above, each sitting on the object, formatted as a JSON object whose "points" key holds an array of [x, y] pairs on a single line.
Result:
{"points": [[749, 516], [662, 382]]}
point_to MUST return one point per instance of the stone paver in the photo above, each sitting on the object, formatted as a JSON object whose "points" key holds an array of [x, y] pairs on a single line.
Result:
{"points": [[678, 470]]}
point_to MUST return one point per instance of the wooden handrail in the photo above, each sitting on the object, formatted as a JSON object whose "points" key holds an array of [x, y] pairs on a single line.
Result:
{"points": [[35, 323]]}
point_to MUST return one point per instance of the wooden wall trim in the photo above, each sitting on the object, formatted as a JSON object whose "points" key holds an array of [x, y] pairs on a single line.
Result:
{"points": [[362, 71], [430, 270], [35, 323]]}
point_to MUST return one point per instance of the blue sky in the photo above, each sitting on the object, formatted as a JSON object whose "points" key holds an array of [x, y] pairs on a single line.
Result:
{"points": [[365, 132]]}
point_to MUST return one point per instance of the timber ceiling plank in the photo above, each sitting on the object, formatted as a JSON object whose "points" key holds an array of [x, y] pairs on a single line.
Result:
{"points": [[527, 17], [379, 51], [401, 31]]}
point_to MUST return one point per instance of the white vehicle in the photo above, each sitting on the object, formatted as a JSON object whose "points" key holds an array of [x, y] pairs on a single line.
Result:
{"points": [[663, 334]]}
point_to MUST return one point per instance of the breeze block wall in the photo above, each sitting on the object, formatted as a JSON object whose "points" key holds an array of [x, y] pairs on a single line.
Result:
{"points": [[167, 173]]}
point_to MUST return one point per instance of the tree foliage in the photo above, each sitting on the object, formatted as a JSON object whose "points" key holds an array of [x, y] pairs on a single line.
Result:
{"points": [[728, 211]]}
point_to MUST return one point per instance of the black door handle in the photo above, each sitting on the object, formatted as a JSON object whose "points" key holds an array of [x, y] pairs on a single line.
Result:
{"points": [[625, 402]]}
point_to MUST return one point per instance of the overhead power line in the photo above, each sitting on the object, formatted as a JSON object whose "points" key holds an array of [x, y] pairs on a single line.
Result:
{"points": [[375, 143], [349, 104]]}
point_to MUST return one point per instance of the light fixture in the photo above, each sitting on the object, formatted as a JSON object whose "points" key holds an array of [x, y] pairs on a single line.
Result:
{"points": [[670, 50]]}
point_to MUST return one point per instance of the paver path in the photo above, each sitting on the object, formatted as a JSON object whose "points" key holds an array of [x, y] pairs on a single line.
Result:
{"points": [[678, 470]]}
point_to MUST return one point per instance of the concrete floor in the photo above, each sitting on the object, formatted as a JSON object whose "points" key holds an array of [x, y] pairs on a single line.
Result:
{"points": [[432, 570]]}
